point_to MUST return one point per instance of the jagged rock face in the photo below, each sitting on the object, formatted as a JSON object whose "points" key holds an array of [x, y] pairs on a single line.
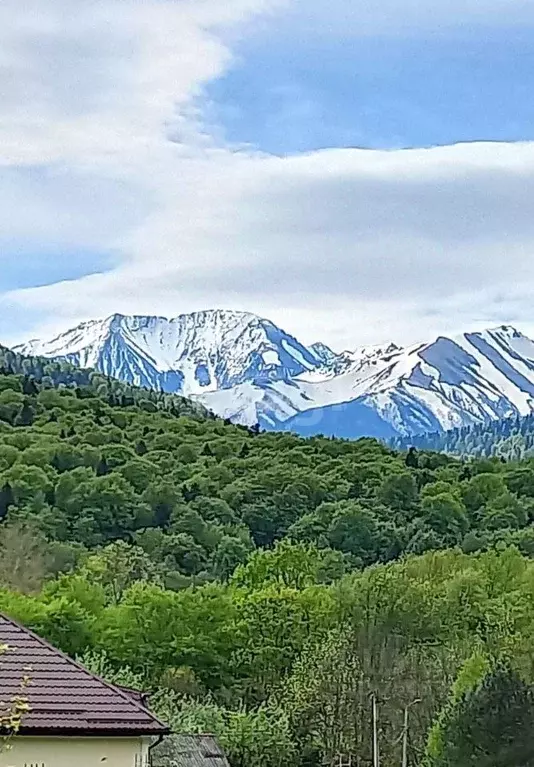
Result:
{"points": [[245, 368], [191, 354]]}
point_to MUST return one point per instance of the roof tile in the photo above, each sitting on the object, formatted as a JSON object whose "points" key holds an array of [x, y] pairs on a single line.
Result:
{"points": [[62, 695]]}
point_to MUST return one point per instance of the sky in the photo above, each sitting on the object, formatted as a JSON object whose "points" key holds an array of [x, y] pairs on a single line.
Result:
{"points": [[355, 171]]}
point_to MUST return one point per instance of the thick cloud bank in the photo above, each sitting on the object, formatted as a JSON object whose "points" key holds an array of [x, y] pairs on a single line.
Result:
{"points": [[101, 148]]}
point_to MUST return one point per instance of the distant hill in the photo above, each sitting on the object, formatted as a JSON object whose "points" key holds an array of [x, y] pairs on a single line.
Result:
{"points": [[42, 373], [509, 438], [87, 461]]}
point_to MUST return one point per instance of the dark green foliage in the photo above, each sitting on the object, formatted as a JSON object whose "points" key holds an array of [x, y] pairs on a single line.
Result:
{"points": [[507, 439], [491, 726], [7, 499], [87, 461], [37, 373]]}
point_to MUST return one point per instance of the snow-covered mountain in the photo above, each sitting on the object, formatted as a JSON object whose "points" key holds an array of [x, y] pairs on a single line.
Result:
{"points": [[450, 382], [385, 391], [245, 368], [191, 354]]}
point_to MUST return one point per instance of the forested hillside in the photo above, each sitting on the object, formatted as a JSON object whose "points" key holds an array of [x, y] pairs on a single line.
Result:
{"points": [[42, 373], [262, 586], [195, 495], [509, 438]]}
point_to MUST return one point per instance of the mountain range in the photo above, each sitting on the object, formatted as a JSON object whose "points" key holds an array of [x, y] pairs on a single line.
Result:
{"points": [[247, 369]]}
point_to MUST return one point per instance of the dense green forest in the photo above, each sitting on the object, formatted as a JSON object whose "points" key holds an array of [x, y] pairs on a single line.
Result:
{"points": [[263, 586], [195, 496], [509, 438]]}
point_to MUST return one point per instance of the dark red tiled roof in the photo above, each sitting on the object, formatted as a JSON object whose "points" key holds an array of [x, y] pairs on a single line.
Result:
{"points": [[63, 696]]}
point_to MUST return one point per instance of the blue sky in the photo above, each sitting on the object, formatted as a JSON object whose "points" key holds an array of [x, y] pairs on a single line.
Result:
{"points": [[176, 155], [33, 269], [377, 92], [29, 269]]}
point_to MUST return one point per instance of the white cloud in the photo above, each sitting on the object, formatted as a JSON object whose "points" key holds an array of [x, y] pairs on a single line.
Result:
{"points": [[89, 80], [346, 245]]}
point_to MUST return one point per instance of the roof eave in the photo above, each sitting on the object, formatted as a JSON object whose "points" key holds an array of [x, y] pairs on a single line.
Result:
{"points": [[115, 732]]}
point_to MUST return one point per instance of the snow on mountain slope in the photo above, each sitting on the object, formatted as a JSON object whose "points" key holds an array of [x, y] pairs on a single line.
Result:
{"points": [[348, 377], [245, 368], [369, 353], [383, 391], [190, 354], [451, 382], [324, 353]]}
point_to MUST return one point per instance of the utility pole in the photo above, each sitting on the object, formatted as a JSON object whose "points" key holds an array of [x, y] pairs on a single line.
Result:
{"points": [[405, 739], [405, 733], [376, 754]]}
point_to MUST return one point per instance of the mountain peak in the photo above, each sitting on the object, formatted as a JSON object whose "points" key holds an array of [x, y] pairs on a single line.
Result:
{"points": [[245, 367], [507, 330], [191, 353], [324, 353]]}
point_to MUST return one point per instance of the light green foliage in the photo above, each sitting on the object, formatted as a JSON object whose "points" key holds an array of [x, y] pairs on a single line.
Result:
{"points": [[117, 567], [261, 736], [288, 669], [471, 675], [290, 565], [99, 664], [12, 712]]}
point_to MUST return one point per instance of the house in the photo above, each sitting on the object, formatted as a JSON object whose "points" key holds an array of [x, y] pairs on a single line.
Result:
{"points": [[74, 719], [189, 751]]}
